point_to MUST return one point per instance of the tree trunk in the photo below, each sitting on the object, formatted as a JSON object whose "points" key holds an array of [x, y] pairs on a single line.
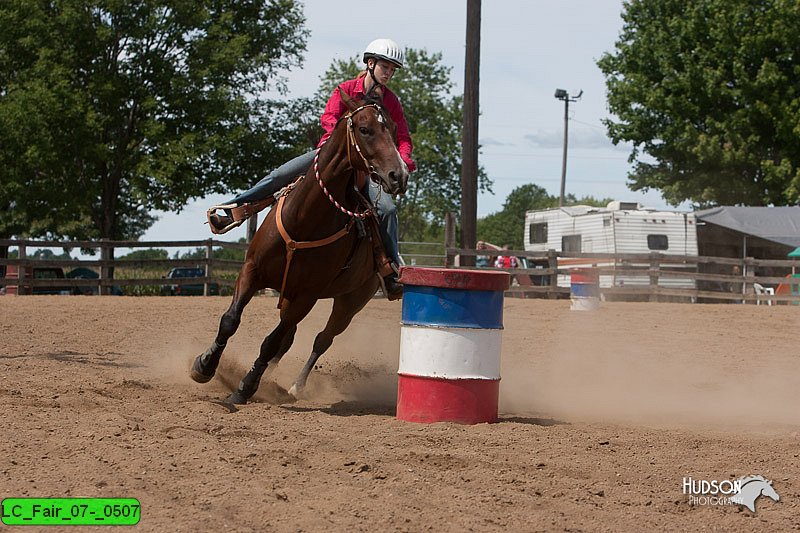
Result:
{"points": [[108, 224]]}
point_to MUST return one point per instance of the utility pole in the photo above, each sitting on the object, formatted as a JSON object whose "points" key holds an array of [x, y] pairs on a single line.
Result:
{"points": [[469, 140], [561, 94]]}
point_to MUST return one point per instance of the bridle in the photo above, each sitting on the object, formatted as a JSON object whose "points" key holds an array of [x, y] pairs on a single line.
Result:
{"points": [[351, 141]]}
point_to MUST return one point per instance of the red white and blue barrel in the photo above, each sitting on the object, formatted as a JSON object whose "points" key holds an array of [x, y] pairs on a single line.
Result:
{"points": [[584, 289], [450, 343]]}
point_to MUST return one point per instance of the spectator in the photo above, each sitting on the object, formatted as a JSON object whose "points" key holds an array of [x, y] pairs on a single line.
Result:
{"points": [[506, 261], [482, 261]]}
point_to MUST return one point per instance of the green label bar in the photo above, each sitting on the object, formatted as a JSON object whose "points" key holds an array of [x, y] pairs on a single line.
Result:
{"points": [[70, 511]]}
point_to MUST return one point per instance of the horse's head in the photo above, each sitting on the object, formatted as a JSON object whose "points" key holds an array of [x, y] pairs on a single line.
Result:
{"points": [[768, 491], [371, 132], [752, 487]]}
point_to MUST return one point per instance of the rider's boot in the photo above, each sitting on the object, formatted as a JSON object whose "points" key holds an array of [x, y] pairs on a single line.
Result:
{"points": [[234, 214], [220, 222], [394, 289]]}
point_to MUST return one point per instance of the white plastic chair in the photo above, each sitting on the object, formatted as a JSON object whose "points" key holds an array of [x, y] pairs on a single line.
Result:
{"points": [[761, 290]]}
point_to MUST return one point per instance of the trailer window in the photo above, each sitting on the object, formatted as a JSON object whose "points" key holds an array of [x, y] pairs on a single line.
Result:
{"points": [[571, 243], [657, 242], [538, 233]]}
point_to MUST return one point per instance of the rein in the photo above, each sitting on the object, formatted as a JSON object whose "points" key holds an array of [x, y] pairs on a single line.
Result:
{"points": [[351, 140]]}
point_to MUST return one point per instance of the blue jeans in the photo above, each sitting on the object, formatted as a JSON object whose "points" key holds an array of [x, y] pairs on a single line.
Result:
{"points": [[286, 173], [387, 215], [277, 179]]}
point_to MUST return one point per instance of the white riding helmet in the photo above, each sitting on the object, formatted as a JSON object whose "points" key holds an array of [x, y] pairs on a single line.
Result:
{"points": [[385, 49]]}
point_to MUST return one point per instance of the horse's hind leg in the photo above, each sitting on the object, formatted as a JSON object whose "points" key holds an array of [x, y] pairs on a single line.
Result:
{"points": [[205, 365], [345, 307], [274, 346], [249, 384]]}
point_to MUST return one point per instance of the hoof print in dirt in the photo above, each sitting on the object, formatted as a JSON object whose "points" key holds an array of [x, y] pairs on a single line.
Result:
{"points": [[227, 405]]}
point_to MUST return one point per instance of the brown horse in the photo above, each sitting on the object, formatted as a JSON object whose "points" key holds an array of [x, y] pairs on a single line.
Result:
{"points": [[309, 247]]}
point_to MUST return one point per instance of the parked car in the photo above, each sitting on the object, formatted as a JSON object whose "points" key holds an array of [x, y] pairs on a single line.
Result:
{"points": [[48, 272], [41, 272], [189, 289], [88, 273]]}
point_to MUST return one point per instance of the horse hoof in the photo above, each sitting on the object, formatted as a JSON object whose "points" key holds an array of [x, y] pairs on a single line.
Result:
{"points": [[197, 374], [236, 398], [294, 391]]}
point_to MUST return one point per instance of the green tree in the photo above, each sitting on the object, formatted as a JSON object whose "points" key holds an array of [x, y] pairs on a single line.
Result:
{"points": [[435, 119], [110, 109], [708, 93], [49, 255], [231, 254], [150, 253], [506, 226]]}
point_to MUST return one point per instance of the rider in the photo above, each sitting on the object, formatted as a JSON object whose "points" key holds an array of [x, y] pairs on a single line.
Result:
{"points": [[382, 57]]}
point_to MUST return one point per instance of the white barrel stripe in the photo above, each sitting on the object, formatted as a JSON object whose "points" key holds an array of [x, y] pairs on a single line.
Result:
{"points": [[584, 304], [450, 353]]}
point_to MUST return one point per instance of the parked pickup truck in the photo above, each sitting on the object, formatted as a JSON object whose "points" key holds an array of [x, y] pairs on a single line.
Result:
{"points": [[187, 289]]}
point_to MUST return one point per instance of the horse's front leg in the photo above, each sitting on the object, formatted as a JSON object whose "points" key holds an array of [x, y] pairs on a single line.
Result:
{"points": [[345, 307], [275, 345], [250, 382], [205, 365]]}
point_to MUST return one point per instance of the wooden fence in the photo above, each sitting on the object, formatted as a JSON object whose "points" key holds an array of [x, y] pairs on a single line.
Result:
{"points": [[649, 277], [106, 264], [417, 253], [652, 277]]}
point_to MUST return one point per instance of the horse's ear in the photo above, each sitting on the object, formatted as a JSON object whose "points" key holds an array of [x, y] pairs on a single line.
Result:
{"points": [[349, 102]]}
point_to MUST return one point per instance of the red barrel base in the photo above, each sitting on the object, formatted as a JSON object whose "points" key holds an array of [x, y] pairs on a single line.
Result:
{"points": [[465, 401]]}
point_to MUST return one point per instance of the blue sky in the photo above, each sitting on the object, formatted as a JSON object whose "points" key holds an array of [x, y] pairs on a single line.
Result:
{"points": [[528, 49]]}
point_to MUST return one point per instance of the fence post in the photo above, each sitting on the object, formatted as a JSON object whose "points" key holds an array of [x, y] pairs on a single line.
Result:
{"points": [[252, 226], [209, 257], [552, 264], [106, 272], [449, 239], [23, 255], [654, 274], [749, 272]]}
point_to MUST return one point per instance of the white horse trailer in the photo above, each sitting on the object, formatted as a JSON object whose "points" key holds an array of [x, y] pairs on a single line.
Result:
{"points": [[619, 228]]}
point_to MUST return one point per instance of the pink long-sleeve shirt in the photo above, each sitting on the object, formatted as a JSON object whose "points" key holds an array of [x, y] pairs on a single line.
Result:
{"points": [[355, 89]]}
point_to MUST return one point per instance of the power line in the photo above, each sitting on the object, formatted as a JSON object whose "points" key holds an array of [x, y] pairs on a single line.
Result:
{"points": [[602, 128]]}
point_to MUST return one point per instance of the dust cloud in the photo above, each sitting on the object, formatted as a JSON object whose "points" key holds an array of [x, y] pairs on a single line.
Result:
{"points": [[653, 364]]}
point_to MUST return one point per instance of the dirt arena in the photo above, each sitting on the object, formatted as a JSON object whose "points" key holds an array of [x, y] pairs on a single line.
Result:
{"points": [[602, 416]]}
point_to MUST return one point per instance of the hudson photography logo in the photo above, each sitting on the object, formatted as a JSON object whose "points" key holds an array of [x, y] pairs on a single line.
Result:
{"points": [[743, 491]]}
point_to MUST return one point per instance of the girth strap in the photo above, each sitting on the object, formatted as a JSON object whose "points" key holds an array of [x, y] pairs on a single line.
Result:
{"points": [[292, 245]]}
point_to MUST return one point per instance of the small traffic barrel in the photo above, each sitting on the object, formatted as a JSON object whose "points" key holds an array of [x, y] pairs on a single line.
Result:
{"points": [[450, 343], [584, 289]]}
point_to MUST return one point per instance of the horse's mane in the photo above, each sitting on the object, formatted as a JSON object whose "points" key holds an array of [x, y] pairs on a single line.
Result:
{"points": [[374, 100]]}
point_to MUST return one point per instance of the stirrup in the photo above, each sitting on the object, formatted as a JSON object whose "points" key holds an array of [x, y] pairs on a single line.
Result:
{"points": [[226, 229], [391, 296]]}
